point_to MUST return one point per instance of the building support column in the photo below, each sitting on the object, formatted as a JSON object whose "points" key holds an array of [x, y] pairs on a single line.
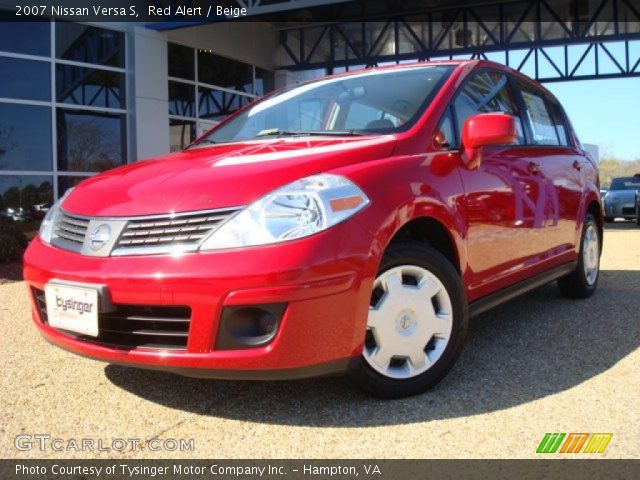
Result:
{"points": [[150, 114]]}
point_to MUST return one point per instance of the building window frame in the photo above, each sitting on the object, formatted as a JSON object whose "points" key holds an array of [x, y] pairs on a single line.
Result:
{"points": [[54, 105], [203, 124]]}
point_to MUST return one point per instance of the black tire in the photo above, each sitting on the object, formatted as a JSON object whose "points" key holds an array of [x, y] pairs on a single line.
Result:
{"points": [[417, 254], [638, 216], [608, 219], [575, 285]]}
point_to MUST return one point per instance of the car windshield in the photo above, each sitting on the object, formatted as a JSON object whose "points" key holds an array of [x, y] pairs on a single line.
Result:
{"points": [[375, 101], [627, 183]]}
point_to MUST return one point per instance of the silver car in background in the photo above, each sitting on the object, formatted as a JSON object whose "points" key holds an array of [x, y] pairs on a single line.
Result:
{"points": [[620, 200], [638, 206]]}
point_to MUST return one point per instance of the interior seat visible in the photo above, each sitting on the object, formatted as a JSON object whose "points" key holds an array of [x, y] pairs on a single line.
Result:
{"points": [[380, 124]]}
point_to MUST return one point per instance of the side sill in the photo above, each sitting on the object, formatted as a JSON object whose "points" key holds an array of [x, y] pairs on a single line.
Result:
{"points": [[493, 300]]}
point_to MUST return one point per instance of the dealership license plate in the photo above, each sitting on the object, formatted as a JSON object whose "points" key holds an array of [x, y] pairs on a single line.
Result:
{"points": [[72, 308]]}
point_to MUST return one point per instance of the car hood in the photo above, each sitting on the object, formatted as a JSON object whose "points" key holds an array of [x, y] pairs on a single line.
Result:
{"points": [[621, 196], [218, 176]]}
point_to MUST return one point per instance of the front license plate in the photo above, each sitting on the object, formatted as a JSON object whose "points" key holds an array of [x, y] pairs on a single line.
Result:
{"points": [[72, 308]]}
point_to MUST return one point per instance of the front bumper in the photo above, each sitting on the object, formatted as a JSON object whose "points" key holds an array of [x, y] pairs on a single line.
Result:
{"points": [[620, 209], [324, 280]]}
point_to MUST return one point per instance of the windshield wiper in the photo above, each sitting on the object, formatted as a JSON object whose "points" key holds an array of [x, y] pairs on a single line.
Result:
{"points": [[201, 143], [276, 132]]}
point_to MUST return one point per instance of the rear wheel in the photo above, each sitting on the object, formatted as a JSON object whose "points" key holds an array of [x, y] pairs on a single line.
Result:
{"points": [[638, 214], [582, 282], [416, 325]]}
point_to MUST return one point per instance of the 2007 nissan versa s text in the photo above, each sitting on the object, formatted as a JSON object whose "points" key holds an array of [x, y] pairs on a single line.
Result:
{"points": [[349, 224]]}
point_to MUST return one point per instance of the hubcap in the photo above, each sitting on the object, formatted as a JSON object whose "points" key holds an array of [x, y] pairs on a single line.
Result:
{"points": [[410, 321], [591, 254]]}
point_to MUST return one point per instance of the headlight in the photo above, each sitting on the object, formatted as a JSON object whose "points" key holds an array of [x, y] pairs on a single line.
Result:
{"points": [[297, 210], [46, 227]]}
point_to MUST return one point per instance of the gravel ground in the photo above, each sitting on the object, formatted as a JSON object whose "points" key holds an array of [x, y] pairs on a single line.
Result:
{"points": [[539, 364]]}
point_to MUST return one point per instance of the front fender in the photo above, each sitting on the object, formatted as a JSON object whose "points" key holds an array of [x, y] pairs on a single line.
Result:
{"points": [[405, 188]]}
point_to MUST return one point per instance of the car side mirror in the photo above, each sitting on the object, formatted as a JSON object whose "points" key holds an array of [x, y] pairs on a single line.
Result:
{"points": [[484, 130]]}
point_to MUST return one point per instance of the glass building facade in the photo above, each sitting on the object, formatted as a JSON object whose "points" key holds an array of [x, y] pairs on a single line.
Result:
{"points": [[205, 87], [69, 108], [63, 111]]}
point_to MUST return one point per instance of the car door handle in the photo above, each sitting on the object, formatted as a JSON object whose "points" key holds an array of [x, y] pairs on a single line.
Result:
{"points": [[533, 168], [577, 165]]}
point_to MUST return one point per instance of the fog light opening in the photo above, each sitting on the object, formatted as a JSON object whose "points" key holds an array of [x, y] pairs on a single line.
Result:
{"points": [[248, 326]]}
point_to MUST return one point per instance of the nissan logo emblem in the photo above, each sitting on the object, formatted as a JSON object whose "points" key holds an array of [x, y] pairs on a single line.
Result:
{"points": [[100, 237]]}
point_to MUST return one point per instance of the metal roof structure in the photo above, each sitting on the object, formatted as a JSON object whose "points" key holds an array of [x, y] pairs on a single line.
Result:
{"points": [[549, 40]]}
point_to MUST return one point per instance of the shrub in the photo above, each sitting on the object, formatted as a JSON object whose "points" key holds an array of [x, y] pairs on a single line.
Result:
{"points": [[10, 249], [11, 231]]}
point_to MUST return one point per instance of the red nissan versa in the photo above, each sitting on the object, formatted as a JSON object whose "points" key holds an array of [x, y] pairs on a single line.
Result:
{"points": [[349, 224]]}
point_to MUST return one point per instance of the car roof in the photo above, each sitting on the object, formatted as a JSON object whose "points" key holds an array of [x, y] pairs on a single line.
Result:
{"points": [[472, 63], [456, 63]]}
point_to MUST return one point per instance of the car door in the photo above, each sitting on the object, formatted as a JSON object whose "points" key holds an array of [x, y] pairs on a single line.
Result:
{"points": [[504, 196], [564, 164]]}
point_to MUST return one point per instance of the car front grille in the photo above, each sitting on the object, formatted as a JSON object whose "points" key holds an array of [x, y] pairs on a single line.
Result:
{"points": [[628, 211], [69, 231], [146, 235], [184, 230], [135, 326]]}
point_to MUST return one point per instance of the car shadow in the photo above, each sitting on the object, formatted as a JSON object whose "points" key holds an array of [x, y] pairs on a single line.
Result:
{"points": [[621, 225], [536, 346]]}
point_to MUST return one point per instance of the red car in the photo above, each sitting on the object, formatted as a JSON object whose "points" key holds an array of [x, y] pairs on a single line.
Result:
{"points": [[351, 224]]}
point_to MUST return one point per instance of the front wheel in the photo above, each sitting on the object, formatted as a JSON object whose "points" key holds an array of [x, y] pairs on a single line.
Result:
{"points": [[416, 325], [582, 282]]}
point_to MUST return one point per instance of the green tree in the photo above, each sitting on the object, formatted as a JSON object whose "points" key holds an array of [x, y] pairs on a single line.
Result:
{"points": [[611, 168]]}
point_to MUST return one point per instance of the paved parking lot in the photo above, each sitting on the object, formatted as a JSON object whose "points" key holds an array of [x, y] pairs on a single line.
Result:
{"points": [[539, 364]]}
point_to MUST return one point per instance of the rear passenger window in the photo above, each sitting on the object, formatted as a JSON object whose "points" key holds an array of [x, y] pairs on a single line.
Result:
{"points": [[559, 121], [546, 128], [486, 92]]}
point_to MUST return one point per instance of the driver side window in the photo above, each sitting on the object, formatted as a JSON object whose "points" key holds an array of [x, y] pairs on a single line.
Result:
{"points": [[446, 131], [486, 92]]}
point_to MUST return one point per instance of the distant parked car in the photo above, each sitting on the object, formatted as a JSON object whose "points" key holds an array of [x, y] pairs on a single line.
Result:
{"points": [[620, 200], [638, 205], [40, 210], [17, 214]]}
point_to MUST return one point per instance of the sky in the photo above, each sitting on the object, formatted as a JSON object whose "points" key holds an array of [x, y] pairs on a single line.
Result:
{"points": [[605, 113]]}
